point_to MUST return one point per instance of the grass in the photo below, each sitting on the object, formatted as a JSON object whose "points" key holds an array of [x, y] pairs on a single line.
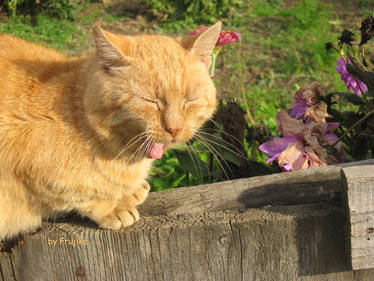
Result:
{"points": [[69, 37], [57, 33], [282, 47]]}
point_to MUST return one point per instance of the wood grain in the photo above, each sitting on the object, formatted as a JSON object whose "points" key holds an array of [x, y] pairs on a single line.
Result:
{"points": [[277, 243], [359, 182], [299, 187]]}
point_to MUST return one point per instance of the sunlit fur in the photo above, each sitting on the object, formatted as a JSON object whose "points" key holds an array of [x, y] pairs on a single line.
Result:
{"points": [[75, 132]]}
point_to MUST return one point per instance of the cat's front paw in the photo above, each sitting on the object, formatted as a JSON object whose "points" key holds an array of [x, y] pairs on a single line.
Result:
{"points": [[122, 216], [139, 196]]}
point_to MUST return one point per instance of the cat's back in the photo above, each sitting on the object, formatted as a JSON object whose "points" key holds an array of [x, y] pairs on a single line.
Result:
{"points": [[30, 72], [23, 62], [18, 51]]}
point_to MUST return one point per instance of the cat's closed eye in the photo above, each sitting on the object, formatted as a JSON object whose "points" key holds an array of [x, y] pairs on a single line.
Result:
{"points": [[155, 102], [190, 102]]}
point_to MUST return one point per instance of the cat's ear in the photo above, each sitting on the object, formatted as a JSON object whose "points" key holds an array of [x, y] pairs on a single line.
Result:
{"points": [[109, 56], [203, 44]]}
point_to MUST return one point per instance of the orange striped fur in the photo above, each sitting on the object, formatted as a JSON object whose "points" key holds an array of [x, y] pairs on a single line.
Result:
{"points": [[69, 126]]}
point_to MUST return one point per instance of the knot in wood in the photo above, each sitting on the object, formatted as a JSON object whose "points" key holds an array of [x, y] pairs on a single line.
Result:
{"points": [[223, 239], [80, 272]]}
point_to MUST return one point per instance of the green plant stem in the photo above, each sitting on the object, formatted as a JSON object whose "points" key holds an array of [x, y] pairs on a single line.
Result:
{"points": [[363, 94], [213, 65], [353, 126], [242, 88], [187, 178], [211, 163]]}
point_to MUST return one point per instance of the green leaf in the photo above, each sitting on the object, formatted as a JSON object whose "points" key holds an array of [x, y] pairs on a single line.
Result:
{"points": [[371, 92], [360, 149], [231, 156], [336, 113], [350, 118], [195, 165], [370, 75]]}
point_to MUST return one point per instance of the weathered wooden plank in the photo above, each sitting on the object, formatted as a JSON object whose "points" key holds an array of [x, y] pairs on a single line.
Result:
{"points": [[6, 268], [359, 182], [278, 243], [299, 187], [255, 244], [358, 275]]}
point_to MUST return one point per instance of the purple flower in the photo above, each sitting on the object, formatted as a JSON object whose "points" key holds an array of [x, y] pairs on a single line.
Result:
{"points": [[303, 100], [288, 152], [276, 146], [308, 103], [302, 145], [353, 84]]}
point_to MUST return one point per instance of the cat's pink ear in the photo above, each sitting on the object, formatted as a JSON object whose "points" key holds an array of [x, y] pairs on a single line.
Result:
{"points": [[203, 44], [109, 56]]}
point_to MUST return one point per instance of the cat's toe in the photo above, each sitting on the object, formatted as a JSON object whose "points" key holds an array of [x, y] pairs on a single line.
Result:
{"points": [[146, 186], [128, 215], [110, 221], [122, 216]]}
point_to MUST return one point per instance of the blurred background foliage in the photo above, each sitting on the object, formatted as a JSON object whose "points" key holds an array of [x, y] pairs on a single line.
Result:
{"points": [[281, 48]]}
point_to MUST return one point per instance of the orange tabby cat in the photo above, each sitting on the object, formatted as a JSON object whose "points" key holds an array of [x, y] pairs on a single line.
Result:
{"points": [[80, 134]]}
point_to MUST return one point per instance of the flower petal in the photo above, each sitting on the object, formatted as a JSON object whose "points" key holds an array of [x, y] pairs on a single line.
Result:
{"points": [[298, 110], [293, 157], [313, 158], [352, 83], [331, 126], [276, 146], [289, 126], [317, 113]]}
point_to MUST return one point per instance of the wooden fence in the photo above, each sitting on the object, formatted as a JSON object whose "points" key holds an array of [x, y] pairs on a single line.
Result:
{"points": [[315, 224]]}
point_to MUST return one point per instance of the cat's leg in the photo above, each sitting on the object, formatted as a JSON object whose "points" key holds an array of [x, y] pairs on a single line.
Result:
{"points": [[124, 213], [19, 210], [109, 214], [112, 214]]}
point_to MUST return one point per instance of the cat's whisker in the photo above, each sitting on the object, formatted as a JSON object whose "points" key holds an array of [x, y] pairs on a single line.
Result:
{"points": [[137, 150], [144, 148], [240, 155], [192, 153], [147, 147], [131, 143], [215, 123], [219, 131], [215, 153], [229, 135], [222, 130]]}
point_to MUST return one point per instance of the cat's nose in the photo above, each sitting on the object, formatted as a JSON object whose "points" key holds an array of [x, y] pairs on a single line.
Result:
{"points": [[173, 131]]}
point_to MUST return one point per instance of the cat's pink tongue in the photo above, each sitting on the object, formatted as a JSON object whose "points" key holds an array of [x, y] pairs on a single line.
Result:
{"points": [[156, 151]]}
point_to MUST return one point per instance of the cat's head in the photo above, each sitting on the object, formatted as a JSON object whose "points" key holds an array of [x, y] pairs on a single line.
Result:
{"points": [[153, 91]]}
